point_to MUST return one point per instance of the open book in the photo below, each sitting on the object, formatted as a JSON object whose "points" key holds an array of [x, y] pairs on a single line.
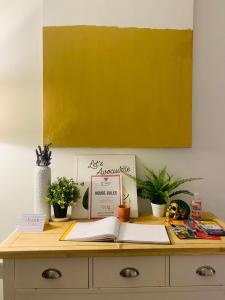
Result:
{"points": [[111, 228]]}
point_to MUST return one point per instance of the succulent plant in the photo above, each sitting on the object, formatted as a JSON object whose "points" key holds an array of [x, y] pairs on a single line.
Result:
{"points": [[159, 187], [43, 155]]}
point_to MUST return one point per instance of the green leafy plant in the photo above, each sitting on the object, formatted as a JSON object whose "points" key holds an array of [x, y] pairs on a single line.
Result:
{"points": [[160, 187], [64, 192]]}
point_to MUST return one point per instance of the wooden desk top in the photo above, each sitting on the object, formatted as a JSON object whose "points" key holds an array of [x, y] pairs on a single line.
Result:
{"points": [[47, 244]]}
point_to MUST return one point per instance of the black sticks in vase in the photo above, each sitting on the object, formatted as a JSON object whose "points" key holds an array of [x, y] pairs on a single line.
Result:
{"points": [[43, 155]]}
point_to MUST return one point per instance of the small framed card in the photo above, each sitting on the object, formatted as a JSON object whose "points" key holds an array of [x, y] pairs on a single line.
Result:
{"points": [[105, 195], [32, 223]]}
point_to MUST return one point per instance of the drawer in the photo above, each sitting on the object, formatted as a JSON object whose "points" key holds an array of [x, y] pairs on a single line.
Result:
{"points": [[144, 271], [74, 273], [183, 270]]}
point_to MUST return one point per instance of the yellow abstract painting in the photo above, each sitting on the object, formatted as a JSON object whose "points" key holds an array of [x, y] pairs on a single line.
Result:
{"points": [[117, 87]]}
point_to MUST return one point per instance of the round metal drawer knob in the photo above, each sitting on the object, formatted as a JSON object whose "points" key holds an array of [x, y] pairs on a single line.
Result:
{"points": [[51, 274], [129, 272], [206, 271]]}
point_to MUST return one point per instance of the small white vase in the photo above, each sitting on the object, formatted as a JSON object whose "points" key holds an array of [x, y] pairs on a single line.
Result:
{"points": [[158, 210], [42, 179]]}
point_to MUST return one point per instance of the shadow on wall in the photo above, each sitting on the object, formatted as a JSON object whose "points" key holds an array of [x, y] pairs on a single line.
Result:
{"points": [[1, 289], [144, 205]]}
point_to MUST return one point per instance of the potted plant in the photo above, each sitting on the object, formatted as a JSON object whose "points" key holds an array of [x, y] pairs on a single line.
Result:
{"points": [[123, 210], [62, 193], [159, 187]]}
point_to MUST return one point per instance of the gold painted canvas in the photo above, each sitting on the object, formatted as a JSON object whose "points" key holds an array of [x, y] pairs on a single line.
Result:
{"points": [[117, 87]]}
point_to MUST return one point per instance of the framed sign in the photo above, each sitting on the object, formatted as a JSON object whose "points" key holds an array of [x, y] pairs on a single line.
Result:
{"points": [[104, 164], [105, 195]]}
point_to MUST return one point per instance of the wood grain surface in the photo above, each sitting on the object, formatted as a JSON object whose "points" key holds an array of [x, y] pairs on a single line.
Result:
{"points": [[47, 244]]}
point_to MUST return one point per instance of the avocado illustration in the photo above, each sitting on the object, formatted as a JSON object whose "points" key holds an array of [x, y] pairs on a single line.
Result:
{"points": [[85, 199]]}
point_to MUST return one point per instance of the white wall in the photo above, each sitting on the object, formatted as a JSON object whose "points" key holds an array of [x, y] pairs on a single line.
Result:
{"points": [[126, 13], [20, 105], [21, 111]]}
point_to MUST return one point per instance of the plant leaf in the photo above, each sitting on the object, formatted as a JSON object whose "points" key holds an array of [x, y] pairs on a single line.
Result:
{"points": [[181, 192]]}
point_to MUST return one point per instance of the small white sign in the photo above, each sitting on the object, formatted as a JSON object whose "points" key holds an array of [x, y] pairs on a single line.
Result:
{"points": [[32, 223]]}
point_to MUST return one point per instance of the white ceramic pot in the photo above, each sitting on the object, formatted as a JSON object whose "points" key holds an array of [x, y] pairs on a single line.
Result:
{"points": [[158, 210], [42, 179]]}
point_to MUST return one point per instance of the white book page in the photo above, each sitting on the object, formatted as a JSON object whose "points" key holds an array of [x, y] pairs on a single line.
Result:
{"points": [[140, 233], [106, 228]]}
